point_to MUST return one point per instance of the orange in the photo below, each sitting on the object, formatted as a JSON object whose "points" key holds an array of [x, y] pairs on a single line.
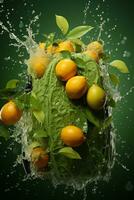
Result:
{"points": [[51, 49], [65, 69], [96, 97], [38, 64], [10, 113], [39, 158], [72, 136], [65, 46], [92, 54], [76, 87], [42, 45], [95, 46]]}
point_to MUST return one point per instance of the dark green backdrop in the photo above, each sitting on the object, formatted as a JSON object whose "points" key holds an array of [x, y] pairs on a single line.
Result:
{"points": [[120, 13]]}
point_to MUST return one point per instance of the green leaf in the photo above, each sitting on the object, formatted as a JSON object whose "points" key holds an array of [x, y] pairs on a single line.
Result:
{"points": [[39, 115], [91, 117], [12, 84], [120, 65], [34, 103], [4, 132], [40, 134], [34, 145], [23, 101], [62, 23], [114, 79], [87, 68], [78, 32], [65, 54], [7, 93], [78, 42], [69, 153]]}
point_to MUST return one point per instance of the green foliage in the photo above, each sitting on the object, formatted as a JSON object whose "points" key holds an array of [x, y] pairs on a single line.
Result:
{"points": [[78, 32], [120, 65], [62, 23], [69, 152], [12, 84], [40, 134], [87, 68], [39, 115]]}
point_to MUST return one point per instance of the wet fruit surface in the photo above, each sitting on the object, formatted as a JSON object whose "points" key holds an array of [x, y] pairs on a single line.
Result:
{"points": [[10, 113], [95, 46], [65, 69], [39, 158], [72, 136], [76, 87], [96, 97], [38, 64], [65, 46]]}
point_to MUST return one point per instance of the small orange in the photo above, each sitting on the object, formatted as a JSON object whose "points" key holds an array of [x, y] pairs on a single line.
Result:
{"points": [[38, 64], [92, 54], [10, 113], [95, 46], [42, 45], [39, 158], [76, 87], [51, 49], [96, 97], [65, 69], [72, 136], [65, 46]]}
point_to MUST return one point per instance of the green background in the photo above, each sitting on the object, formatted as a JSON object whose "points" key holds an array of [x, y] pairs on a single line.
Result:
{"points": [[120, 13]]}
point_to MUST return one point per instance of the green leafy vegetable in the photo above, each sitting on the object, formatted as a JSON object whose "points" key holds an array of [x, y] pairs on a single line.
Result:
{"points": [[35, 103], [39, 115], [78, 32], [120, 65], [69, 153], [56, 104], [23, 101], [40, 134], [62, 23]]}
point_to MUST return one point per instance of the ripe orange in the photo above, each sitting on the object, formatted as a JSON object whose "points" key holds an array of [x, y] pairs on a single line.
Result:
{"points": [[65, 69], [76, 87], [96, 97], [10, 113], [42, 45], [65, 46], [92, 54], [51, 49], [39, 158], [95, 46], [72, 136], [38, 64]]}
